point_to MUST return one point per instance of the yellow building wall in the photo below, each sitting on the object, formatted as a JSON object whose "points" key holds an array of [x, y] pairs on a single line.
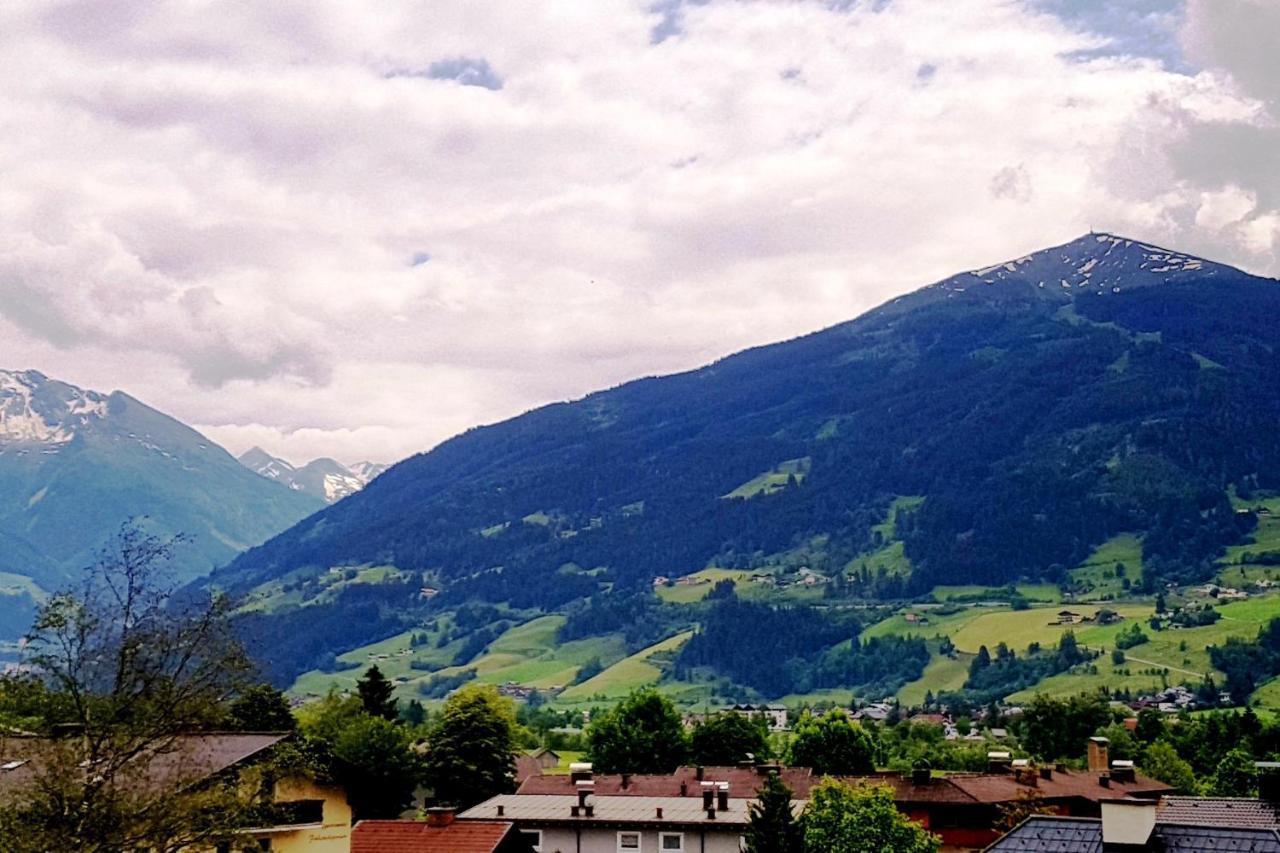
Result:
{"points": [[333, 836]]}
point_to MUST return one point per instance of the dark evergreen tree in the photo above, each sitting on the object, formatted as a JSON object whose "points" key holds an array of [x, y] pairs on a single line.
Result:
{"points": [[377, 694], [771, 825]]}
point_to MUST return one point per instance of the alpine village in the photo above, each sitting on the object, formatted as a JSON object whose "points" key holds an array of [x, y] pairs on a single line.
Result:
{"points": [[838, 561]]}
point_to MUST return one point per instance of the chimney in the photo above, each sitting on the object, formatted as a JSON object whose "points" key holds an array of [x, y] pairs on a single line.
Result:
{"points": [[1098, 761], [998, 762], [590, 810], [1123, 771], [659, 814], [440, 816], [699, 771], [709, 795], [766, 769], [501, 809], [684, 788], [722, 797], [921, 776], [711, 814], [1127, 824], [1104, 779], [580, 771], [573, 811], [585, 789], [626, 781], [1046, 772]]}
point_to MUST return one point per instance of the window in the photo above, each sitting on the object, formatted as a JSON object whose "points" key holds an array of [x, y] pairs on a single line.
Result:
{"points": [[534, 837], [264, 844], [628, 841], [671, 841]]}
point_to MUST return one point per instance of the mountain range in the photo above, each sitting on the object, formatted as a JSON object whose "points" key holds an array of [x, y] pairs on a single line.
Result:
{"points": [[323, 478], [75, 464], [997, 425]]}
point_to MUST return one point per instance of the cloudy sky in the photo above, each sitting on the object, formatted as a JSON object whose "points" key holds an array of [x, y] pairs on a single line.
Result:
{"points": [[355, 229]]}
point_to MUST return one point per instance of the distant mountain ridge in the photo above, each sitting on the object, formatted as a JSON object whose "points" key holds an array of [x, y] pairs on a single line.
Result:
{"points": [[75, 464], [324, 478], [1018, 415]]}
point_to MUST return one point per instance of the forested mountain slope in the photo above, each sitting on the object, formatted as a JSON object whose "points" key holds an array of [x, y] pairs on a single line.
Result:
{"points": [[1038, 407]]}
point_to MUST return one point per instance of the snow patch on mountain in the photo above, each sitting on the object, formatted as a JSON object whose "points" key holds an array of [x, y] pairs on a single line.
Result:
{"points": [[37, 410], [324, 478], [1095, 263]]}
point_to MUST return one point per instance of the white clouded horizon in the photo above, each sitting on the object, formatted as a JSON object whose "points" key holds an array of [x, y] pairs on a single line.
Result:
{"points": [[328, 232]]}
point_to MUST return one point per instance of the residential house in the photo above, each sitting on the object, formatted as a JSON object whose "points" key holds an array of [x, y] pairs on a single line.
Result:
{"points": [[962, 808], [300, 815], [775, 714]]}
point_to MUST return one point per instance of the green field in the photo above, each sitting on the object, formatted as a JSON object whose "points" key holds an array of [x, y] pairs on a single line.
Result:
{"points": [[942, 674], [11, 584], [627, 674], [938, 626], [889, 555], [774, 480], [1267, 535], [1098, 573], [1039, 592], [692, 590]]}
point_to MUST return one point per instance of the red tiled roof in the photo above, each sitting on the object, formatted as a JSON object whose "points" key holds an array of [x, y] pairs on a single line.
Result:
{"points": [[987, 788], [1219, 811], [415, 836], [743, 782]]}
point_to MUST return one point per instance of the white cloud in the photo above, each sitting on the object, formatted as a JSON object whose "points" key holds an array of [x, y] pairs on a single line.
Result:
{"points": [[273, 221]]}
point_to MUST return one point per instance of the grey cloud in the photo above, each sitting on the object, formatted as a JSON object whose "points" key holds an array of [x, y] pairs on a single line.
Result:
{"points": [[32, 310], [1012, 182], [1240, 37]]}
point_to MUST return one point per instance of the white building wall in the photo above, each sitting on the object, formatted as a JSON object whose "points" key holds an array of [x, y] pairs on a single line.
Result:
{"points": [[601, 840]]}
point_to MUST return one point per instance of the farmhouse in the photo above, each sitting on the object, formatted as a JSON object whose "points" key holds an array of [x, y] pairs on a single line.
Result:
{"points": [[775, 714]]}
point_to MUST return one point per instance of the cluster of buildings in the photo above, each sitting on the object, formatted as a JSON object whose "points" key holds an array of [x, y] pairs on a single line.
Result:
{"points": [[1106, 807]]}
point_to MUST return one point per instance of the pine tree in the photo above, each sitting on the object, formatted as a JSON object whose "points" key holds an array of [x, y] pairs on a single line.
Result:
{"points": [[376, 694], [771, 825]]}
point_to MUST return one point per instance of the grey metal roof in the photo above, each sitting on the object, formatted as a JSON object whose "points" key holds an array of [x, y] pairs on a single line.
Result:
{"points": [[556, 808], [1041, 834], [1048, 834]]}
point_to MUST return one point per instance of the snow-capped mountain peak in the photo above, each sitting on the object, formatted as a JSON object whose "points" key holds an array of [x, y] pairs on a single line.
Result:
{"points": [[37, 410], [324, 478], [1095, 263]]}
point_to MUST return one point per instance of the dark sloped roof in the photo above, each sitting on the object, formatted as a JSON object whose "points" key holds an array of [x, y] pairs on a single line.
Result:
{"points": [[1208, 839], [1043, 834], [414, 836], [1049, 834], [186, 761], [1219, 811]]}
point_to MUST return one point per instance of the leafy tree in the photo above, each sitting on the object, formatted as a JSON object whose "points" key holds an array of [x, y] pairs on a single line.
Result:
{"points": [[1150, 726], [1161, 761], [832, 744], [641, 734], [262, 708], [728, 738], [374, 761], [1235, 775], [841, 818], [1060, 728], [132, 667], [377, 694], [471, 748], [771, 824]]}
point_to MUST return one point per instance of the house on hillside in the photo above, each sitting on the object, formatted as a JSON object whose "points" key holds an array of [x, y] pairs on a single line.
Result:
{"points": [[295, 813], [1067, 617], [775, 714]]}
